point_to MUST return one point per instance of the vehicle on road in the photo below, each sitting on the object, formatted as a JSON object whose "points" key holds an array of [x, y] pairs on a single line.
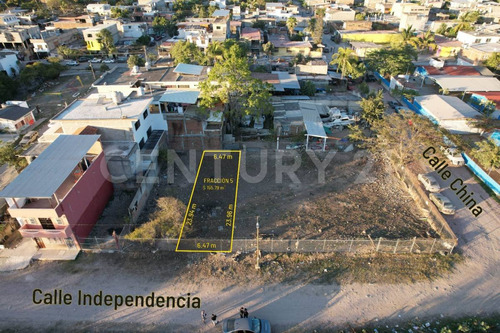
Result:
{"points": [[95, 60], [72, 63], [443, 204], [326, 50], [108, 61], [247, 325], [296, 146], [121, 59], [394, 104], [28, 138], [453, 155], [84, 59], [430, 183], [371, 78]]}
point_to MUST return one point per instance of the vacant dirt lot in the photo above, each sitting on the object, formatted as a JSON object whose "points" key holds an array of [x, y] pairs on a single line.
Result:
{"points": [[357, 198]]}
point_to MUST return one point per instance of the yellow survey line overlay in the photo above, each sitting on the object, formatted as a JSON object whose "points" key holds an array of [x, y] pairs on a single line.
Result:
{"points": [[188, 209]]}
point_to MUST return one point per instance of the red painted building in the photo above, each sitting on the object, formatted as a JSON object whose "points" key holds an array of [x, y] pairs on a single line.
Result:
{"points": [[59, 197]]}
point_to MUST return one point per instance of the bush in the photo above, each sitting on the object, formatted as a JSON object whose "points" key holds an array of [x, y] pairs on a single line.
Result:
{"points": [[104, 67], [166, 221]]}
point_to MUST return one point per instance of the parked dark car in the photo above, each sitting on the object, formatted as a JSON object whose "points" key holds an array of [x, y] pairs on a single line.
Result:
{"points": [[371, 78], [326, 50], [394, 104]]}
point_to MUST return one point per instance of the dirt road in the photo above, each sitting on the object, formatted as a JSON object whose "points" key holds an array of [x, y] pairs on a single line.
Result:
{"points": [[472, 289]]}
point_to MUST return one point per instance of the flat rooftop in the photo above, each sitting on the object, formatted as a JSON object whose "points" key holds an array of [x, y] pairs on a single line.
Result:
{"points": [[98, 106], [123, 76]]}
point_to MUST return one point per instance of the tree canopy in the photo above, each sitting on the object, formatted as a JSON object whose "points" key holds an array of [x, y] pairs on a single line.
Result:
{"points": [[488, 154], [373, 108], [230, 82], [347, 63], [135, 60], [106, 40], [186, 52], [392, 61], [399, 136]]}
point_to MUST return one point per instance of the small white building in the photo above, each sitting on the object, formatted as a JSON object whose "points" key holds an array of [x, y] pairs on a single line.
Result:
{"points": [[449, 112], [9, 20], [9, 62], [103, 9], [477, 37], [218, 3], [133, 29]]}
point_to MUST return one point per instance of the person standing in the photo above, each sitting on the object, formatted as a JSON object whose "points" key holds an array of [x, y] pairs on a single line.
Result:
{"points": [[242, 312], [203, 316], [245, 313], [214, 319]]}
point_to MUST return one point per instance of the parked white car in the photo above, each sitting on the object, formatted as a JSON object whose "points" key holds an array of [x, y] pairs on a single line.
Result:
{"points": [[95, 60], [454, 155], [442, 203], [108, 61], [71, 63], [430, 183]]}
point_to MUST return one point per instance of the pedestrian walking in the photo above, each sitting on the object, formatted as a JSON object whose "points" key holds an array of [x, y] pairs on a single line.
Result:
{"points": [[245, 313], [242, 312], [214, 319], [203, 316]]}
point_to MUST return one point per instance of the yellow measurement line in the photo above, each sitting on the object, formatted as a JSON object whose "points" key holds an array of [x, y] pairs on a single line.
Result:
{"points": [[189, 205], [191, 197]]}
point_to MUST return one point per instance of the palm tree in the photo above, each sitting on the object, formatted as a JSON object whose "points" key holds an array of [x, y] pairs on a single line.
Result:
{"points": [[408, 36], [426, 41], [214, 52], [291, 23], [346, 61]]}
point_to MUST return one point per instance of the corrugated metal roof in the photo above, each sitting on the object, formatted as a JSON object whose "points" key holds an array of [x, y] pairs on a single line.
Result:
{"points": [[220, 13], [188, 69], [180, 96], [312, 120], [466, 83], [446, 107], [47, 172]]}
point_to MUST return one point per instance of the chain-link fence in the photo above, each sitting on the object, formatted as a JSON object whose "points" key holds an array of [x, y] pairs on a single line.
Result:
{"points": [[415, 245]]}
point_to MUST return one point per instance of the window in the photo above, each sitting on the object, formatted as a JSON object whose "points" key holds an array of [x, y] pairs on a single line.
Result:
{"points": [[89, 35], [137, 124], [32, 221], [488, 40], [141, 144], [149, 131], [477, 41], [145, 114], [59, 221]]}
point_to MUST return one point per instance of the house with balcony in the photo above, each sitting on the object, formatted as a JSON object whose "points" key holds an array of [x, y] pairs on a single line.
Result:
{"points": [[128, 127], [284, 47], [221, 26], [9, 20], [469, 38], [51, 39], [60, 196], [18, 38], [76, 22]]}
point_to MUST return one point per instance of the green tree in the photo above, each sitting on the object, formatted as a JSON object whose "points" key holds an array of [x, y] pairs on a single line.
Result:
{"points": [[493, 62], [259, 25], [105, 38], [442, 30], [401, 137], [135, 60], [213, 52], [143, 40], [160, 24], [268, 48], [119, 13], [186, 52], [307, 88], [347, 63], [488, 154], [426, 42], [360, 16], [68, 53], [373, 108], [392, 61], [8, 87], [291, 23], [230, 83], [408, 35], [104, 68], [165, 222], [9, 155]]}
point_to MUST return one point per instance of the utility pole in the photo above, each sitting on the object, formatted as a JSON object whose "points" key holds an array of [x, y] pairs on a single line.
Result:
{"points": [[257, 265], [92, 69]]}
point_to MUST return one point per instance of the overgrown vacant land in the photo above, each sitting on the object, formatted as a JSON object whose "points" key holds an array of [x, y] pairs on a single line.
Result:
{"points": [[359, 197]]}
